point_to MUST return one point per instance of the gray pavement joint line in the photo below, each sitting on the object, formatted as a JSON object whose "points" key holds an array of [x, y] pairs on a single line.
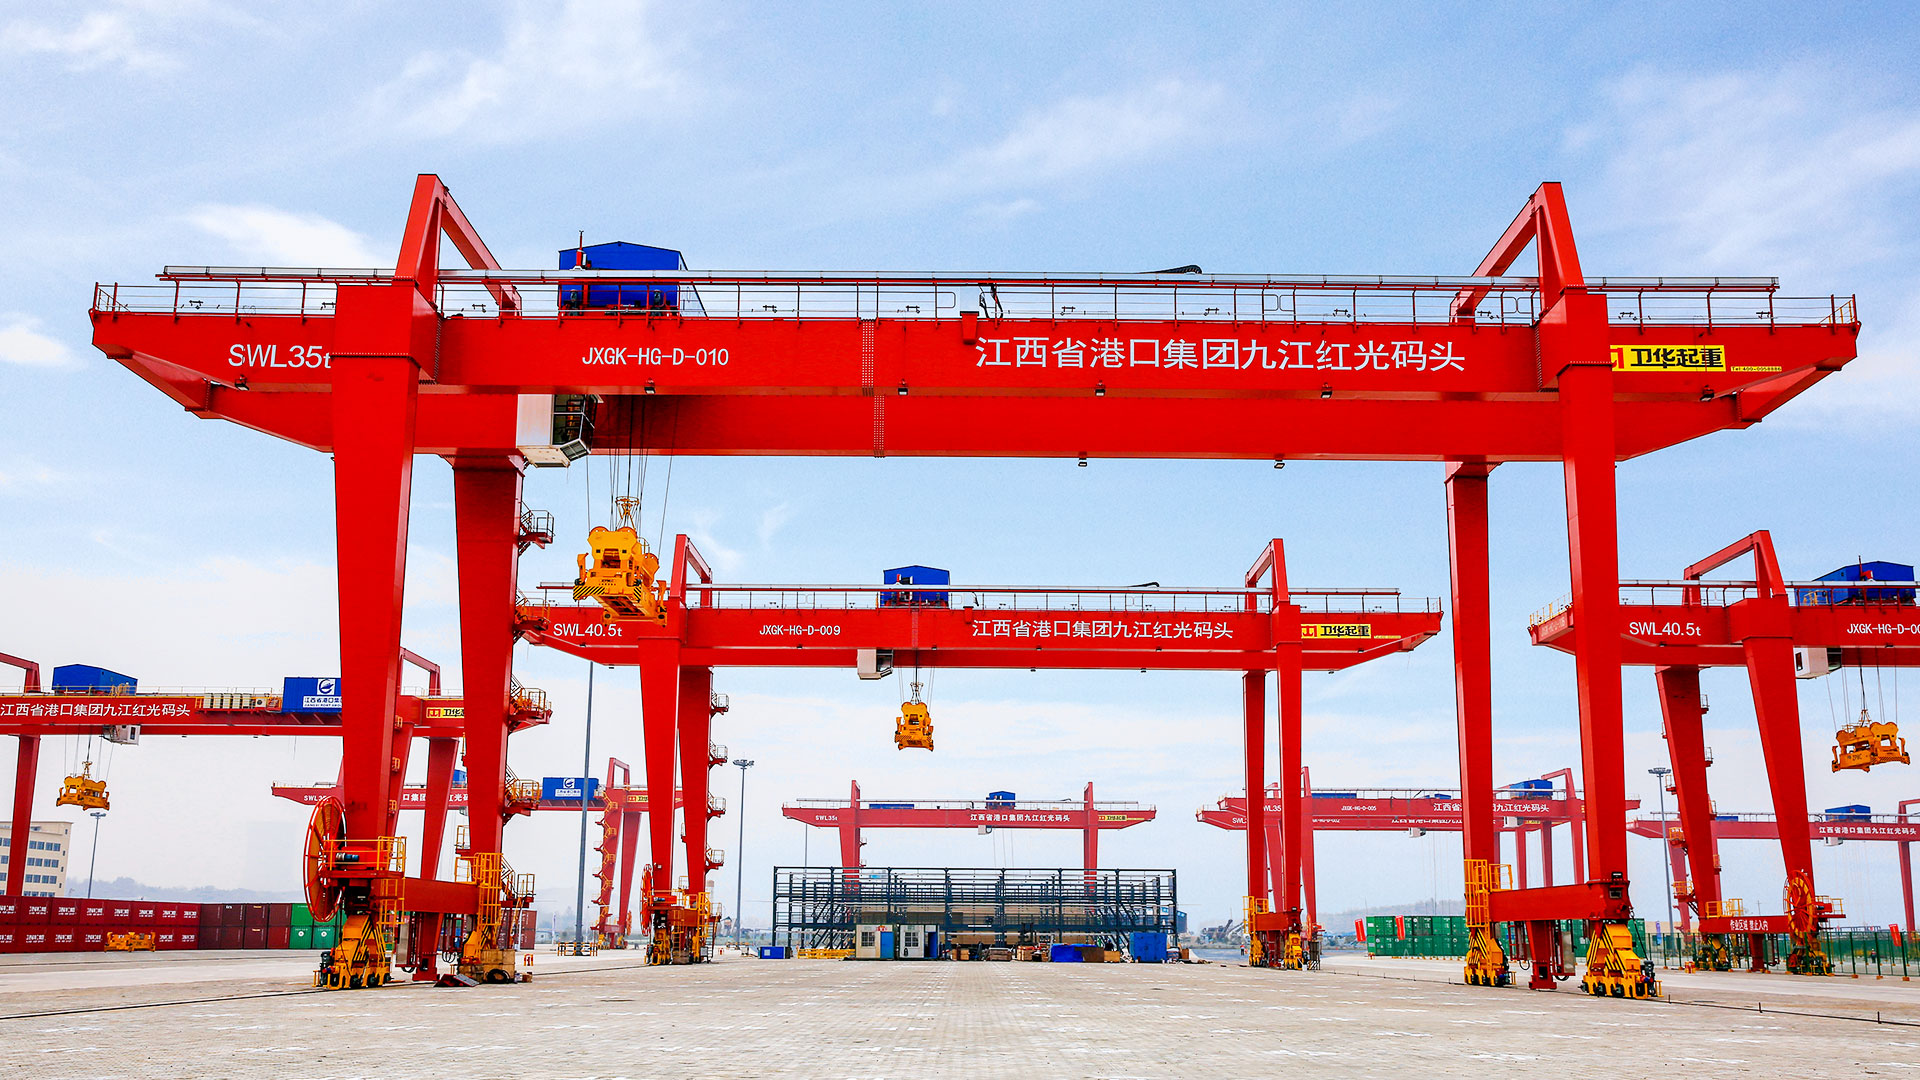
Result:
{"points": [[1757, 1007], [266, 994]]}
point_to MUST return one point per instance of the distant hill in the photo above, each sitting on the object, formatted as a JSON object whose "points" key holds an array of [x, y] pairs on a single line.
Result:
{"points": [[129, 889]]}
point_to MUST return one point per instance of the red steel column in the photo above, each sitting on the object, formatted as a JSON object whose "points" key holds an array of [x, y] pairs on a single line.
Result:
{"points": [[1520, 857], [696, 725], [1587, 418], [442, 753], [1683, 718], [1293, 815], [374, 404], [1090, 836], [1546, 854], [26, 765], [1306, 854], [659, 713], [1253, 697], [1776, 706], [1906, 868], [629, 825], [1276, 843], [1677, 865], [1472, 656], [850, 831], [486, 504]]}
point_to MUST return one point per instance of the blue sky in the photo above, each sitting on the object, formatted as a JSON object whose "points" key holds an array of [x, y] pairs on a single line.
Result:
{"points": [[1738, 139]]}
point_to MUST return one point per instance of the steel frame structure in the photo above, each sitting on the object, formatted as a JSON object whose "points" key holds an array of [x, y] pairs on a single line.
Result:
{"points": [[849, 816], [1519, 813], [1679, 627], [378, 366], [1260, 627]]}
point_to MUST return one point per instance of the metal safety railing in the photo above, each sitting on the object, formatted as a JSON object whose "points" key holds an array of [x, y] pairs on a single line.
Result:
{"points": [[1711, 593], [1055, 598], [1233, 299]]}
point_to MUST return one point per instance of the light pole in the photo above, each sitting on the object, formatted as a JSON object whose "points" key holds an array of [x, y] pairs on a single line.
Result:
{"points": [[739, 850], [95, 856], [1660, 773], [586, 770]]}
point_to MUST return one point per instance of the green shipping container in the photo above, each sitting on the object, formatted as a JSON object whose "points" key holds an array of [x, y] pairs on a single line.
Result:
{"points": [[302, 916], [300, 937], [325, 937]]}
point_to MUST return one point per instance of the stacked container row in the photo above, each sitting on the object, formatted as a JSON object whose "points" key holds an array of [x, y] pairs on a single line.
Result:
{"points": [[46, 924]]}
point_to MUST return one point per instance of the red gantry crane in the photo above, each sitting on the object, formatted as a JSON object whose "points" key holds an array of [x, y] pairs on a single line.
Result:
{"points": [[1679, 627], [435, 717], [1521, 810], [491, 368], [851, 815], [1263, 626]]}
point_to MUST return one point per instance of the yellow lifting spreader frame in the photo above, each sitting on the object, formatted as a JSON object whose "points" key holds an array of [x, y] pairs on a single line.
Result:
{"points": [[914, 726], [620, 571], [1869, 743], [135, 941], [83, 790], [1486, 960]]}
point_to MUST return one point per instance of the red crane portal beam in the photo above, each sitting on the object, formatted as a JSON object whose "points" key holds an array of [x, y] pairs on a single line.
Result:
{"points": [[1475, 370], [850, 816], [1253, 629], [1679, 627], [415, 797]]}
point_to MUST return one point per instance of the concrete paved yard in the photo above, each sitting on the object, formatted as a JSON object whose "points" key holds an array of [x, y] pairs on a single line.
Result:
{"points": [[608, 1017]]}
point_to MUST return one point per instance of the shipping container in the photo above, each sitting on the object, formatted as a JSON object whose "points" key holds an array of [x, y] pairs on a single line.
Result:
{"points": [[35, 912], [300, 937], [279, 915], [9, 938], [11, 909], [326, 937], [279, 937], [233, 914], [188, 938], [88, 679], [302, 916], [253, 937], [91, 938], [93, 911], [230, 937], [256, 917]]}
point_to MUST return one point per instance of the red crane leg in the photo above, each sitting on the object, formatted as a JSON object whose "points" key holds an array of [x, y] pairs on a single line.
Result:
{"points": [[1776, 706], [1089, 837], [1546, 855], [397, 775], [659, 715], [1275, 844], [1520, 876], [1677, 866], [1587, 410], [1293, 815], [442, 756], [630, 829], [850, 856], [1683, 718], [1472, 657], [26, 764], [1253, 698], [696, 725], [1306, 870], [1906, 884], [486, 506], [374, 406]]}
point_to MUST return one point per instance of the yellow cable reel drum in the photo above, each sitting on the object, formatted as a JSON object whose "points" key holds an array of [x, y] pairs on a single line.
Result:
{"points": [[326, 827]]}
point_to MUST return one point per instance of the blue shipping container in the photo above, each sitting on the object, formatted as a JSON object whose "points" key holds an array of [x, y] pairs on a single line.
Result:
{"points": [[1861, 571], [87, 679], [1064, 954], [310, 694], [1148, 948], [568, 788], [915, 575], [619, 255], [773, 952]]}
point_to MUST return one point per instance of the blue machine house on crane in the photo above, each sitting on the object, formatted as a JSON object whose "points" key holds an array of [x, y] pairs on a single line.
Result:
{"points": [[645, 294]]}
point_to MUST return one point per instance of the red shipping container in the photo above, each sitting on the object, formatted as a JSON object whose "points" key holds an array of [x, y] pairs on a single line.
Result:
{"points": [[279, 937], [33, 939], [119, 911], [188, 939], [279, 914], [93, 911], [166, 939], [146, 913], [230, 937], [34, 912], [9, 939], [65, 911], [233, 914], [91, 938], [253, 937], [62, 938], [256, 916], [166, 914], [11, 908]]}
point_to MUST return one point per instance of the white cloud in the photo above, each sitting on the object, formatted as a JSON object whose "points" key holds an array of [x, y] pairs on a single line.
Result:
{"points": [[25, 473], [275, 237], [21, 342], [1799, 173], [555, 71], [1083, 134], [772, 520], [100, 39]]}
